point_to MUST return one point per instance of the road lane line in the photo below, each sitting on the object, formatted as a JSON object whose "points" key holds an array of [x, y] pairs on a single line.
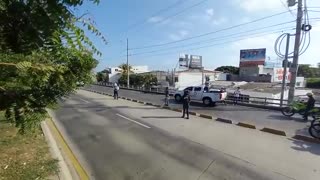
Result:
{"points": [[133, 121], [84, 100]]}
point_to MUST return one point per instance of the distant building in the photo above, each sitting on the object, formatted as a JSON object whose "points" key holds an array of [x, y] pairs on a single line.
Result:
{"points": [[195, 77], [115, 72]]}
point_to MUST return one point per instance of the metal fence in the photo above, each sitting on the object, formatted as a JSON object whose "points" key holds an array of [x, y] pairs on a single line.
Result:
{"points": [[243, 99]]}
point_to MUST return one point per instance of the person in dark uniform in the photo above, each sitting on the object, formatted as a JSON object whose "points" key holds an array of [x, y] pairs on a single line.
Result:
{"points": [[310, 106], [186, 102], [166, 93]]}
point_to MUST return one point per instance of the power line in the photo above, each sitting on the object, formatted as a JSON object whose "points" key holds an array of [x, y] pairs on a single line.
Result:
{"points": [[207, 46], [212, 32], [177, 3], [243, 32], [219, 39], [286, 6]]}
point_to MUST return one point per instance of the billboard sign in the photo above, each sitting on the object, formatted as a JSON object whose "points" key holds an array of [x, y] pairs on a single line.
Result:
{"points": [[278, 75], [183, 60], [252, 57], [195, 62]]}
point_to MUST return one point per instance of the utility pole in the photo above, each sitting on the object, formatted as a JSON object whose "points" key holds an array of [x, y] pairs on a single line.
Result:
{"points": [[285, 70], [294, 67], [128, 69]]}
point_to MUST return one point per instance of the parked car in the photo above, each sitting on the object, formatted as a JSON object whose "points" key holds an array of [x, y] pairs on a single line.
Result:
{"points": [[198, 93]]}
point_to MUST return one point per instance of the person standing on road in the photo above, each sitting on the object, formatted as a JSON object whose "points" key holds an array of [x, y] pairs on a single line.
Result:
{"points": [[166, 93], [310, 106], [236, 96], [186, 104], [116, 91]]}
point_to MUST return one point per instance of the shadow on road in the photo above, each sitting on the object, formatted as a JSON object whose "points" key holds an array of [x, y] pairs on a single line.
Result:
{"points": [[305, 146], [285, 118]]}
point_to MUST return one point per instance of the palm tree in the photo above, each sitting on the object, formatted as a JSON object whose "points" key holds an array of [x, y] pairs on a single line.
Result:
{"points": [[124, 68]]}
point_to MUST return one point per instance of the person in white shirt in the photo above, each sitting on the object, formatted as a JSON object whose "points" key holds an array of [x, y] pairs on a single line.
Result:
{"points": [[236, 96], [116, 91]]}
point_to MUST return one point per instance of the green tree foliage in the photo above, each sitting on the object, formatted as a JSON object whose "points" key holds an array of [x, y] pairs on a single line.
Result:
{"points": [[102, 76], [306, 71], [43, 54], [228, 69]]}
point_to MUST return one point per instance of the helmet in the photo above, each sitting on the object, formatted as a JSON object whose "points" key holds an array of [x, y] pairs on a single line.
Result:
{"points": [[309, 94]]}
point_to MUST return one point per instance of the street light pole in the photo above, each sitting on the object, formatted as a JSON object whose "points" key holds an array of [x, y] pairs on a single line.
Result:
{"points": [[128, 69], [294, 67]]}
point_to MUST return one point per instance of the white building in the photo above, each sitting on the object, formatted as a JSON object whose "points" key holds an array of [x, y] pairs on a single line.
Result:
{"points": [[115, 72], [195, 77]]}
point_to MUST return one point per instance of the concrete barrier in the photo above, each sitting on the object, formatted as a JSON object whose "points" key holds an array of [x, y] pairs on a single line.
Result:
{"points": [[206, 116], [274, 131], [246, 125], [306, 138], [176, 110], [224, 120], [193, 113]]}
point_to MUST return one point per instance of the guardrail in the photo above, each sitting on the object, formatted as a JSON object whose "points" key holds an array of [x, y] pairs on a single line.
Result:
{"points": [[246, 100]]}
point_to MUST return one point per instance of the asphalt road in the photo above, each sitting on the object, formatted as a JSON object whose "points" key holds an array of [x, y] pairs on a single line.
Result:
{"points": [[130, 141], [256, 116]]}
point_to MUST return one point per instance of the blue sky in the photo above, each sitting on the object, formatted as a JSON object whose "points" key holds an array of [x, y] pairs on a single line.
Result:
{"points": [[137, 21]]}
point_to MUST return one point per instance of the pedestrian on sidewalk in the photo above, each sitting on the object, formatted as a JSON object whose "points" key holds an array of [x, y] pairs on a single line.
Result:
{"points": [[236, 96], [166, 99], [186, 104], [116, 91]]}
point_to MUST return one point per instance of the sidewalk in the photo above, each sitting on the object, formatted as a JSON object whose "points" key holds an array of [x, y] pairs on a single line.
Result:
{"points": [[291, 158]]}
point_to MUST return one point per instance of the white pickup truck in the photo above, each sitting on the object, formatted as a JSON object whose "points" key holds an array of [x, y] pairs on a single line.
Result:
{"points": [[201, 93]]}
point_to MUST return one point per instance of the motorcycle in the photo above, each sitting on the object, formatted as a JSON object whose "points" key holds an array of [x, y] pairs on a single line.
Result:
{"points": [[314, 129], [295, 107]]}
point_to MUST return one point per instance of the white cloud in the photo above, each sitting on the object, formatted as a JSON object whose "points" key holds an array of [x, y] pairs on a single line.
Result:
{"points": [[210, 12], [180, 35], [259, 5], [155, 19]]}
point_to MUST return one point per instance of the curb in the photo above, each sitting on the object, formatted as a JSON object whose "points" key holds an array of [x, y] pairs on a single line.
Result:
{"points": [[192, 113], [246, 125], [205, 116], [224, 120], [65, 148], [176, 110], [274, 131], [306, 138], [64, 171]]}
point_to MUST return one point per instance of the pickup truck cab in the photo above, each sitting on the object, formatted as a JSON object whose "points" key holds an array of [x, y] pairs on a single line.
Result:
{"points": [[201, 93]]}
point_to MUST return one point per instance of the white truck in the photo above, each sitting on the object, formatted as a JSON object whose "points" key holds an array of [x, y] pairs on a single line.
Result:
{"points": [[202, 93]]}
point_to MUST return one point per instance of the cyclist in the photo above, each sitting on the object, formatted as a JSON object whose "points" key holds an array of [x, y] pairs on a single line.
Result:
{"points": [[310, 105]]}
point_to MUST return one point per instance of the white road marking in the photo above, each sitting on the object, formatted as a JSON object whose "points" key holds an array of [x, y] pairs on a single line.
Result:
{"points": [[84, 100], [133, 121]]}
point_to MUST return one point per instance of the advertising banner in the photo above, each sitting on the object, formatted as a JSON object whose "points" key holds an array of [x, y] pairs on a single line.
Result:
{"points": [[278, 75], [183, 60], [252, 57], [195, 62]]}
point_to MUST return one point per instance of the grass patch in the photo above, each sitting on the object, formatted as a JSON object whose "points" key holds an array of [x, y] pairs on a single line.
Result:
{"points": [[24, 156]]}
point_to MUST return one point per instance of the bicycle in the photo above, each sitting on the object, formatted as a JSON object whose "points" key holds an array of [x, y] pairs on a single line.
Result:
{"points": [[314, 129]]}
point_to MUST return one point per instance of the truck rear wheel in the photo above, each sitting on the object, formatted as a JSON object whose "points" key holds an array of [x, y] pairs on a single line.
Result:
{"points": [[207, 101], [177, 98]]}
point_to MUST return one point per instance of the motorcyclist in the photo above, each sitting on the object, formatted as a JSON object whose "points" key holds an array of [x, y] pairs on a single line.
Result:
{"points": [[310, 105]]}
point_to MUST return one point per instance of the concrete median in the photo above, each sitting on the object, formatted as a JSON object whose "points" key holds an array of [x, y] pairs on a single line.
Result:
{"points": [[274, 131], [224, 120], [250, 126], [206, 116]]}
